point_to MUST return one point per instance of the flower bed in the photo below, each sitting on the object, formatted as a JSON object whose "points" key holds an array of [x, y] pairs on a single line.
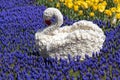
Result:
{"points": [[105, 10], [5, 4], [18, 27], [20, 61]]}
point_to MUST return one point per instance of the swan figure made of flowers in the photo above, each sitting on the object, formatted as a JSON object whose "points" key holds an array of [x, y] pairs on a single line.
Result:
{"points": [[83, 37]]}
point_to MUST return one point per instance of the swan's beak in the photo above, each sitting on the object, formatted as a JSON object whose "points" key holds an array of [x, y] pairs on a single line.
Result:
{"points": [[48, 22]]}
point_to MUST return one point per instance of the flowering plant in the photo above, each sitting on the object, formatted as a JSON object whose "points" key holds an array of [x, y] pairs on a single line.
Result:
{"points": [[20, 61], [87, 9]]}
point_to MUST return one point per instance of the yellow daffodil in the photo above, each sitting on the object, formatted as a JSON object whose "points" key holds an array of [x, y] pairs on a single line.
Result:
{"points": [[118, 15], [76, 7], [104, 3], [81, 12], [108, 13], [77, 3], [84, 5], [113, 9], [89, 3], [116, 1], [90, 0], [96, 1], [94, 7], [68, 1], [92, 14], [101, 7], [69, 5], [100, 0], [118, 8], [58, 5]]}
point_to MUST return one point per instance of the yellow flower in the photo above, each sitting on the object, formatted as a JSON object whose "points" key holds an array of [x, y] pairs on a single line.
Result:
{"points": [[101, 0], [96, 2], [67, 1], [92, 14], [58, 5], [91, 0], [81, 12], [84, 5], [108, 13], [101, 7], [104, 3], [89, 3], [113, 9], [94, 7], [77, 3], [76, 7], [116, 1], [118, 15], [61, 1], [118, 8], [69, 5]]}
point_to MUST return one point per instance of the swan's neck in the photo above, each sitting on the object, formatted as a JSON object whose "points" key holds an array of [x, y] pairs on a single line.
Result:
{"points": [[59, 21]]}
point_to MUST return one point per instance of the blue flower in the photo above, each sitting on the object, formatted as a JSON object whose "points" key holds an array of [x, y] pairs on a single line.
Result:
{"points": [[114, 78], [20, 59], [13, 3]]}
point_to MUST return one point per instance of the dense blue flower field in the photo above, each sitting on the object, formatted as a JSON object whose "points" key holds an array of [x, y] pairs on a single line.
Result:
{"points": [[5, 4], [19, 59]]}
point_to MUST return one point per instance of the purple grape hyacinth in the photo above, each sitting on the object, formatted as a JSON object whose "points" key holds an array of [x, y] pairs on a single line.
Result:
{"points": [[18, 25], [5, 4]]}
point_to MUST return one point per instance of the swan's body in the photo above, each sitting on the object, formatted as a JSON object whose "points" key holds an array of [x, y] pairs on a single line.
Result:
{"points": [[83, 37]]}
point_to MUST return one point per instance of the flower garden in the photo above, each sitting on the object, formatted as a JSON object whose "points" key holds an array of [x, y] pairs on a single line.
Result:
{"points": [[19, 59]]}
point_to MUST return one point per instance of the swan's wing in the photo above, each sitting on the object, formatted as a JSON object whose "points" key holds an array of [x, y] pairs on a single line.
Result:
{"points": [[85, 42], [80, 31], [80, 25], [78, 42], [85, 25], [88, 35]]}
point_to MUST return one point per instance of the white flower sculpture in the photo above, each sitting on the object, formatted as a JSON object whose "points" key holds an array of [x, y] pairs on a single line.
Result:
{"points": [[83, 37]]}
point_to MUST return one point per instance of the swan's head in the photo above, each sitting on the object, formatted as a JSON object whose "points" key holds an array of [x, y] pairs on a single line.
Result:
{"points": [[49, 13]]}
